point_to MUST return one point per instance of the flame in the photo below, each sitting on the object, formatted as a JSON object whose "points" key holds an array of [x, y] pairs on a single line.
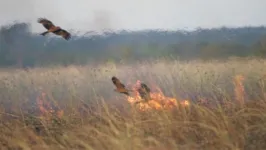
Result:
{"points": [[239, 88], [43, 104], [46, 110], [158, 100]]}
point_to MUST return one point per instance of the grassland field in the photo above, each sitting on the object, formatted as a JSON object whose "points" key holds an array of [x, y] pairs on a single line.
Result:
{"points": [[94, 117]]}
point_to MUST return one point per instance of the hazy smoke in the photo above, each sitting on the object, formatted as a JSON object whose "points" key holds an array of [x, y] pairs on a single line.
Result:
{"points": [[77, 16], [102, 20], [87, 15]]}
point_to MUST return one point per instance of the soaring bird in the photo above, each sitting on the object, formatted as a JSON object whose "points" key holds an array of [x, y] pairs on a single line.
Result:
{"points": [[120, 87], [54, 29], [144, 92]]}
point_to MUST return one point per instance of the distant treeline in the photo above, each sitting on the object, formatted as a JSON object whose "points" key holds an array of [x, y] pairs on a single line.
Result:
{"points": [[19, 47]]}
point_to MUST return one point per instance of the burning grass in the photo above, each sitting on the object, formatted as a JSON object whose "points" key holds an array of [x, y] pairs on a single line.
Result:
{"points": [[194, 105], [157, 101]]}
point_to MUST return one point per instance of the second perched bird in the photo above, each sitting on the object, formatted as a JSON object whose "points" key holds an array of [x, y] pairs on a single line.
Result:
{"points": [[120, 87], [54, 29], [144, 92]]}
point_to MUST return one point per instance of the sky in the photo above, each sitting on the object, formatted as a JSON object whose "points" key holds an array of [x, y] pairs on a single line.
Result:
{"points": [[88, 15]]}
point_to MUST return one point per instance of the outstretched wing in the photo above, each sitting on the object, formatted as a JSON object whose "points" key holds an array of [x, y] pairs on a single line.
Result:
{"points": [[66, 35], [120, 87], [46, 23], [117, 83]]}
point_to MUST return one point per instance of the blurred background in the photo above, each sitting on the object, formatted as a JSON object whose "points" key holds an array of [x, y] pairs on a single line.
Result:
{"points": [[127, 31]]}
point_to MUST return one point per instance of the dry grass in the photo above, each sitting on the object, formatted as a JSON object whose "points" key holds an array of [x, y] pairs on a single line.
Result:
{"points": [[231, 115]]}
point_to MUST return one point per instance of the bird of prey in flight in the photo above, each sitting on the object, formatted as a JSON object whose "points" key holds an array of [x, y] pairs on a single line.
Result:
{"points": [[120, 87], [53, 29]]}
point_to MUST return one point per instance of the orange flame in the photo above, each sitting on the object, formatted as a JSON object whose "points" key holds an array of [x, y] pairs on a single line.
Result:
{"points": [[239, 88], [158, 100], [45, 108], [43, 104]]}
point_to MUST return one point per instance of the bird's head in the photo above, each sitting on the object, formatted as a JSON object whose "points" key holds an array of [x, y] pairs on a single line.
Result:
{"points": [[114, 78]]}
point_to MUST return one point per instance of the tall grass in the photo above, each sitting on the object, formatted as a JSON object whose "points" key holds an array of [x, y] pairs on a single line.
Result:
{"points": [[227, 111]]}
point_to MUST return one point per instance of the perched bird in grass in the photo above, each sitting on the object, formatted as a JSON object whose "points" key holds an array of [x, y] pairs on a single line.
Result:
{"points": [[144, 92], [54, 29], [120, 87]]}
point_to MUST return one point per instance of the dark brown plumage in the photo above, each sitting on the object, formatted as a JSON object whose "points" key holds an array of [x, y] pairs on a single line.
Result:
{"points": [[54, 29], [120, 87], [144, 92]]}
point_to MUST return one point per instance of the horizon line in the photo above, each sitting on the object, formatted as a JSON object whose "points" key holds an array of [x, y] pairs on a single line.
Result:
{"points": [[104, 31]]}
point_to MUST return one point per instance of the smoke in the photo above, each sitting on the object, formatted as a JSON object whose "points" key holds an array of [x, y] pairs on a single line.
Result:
{"points": [[102, 20], [12, 10], [68, 15], [89, 15]]}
